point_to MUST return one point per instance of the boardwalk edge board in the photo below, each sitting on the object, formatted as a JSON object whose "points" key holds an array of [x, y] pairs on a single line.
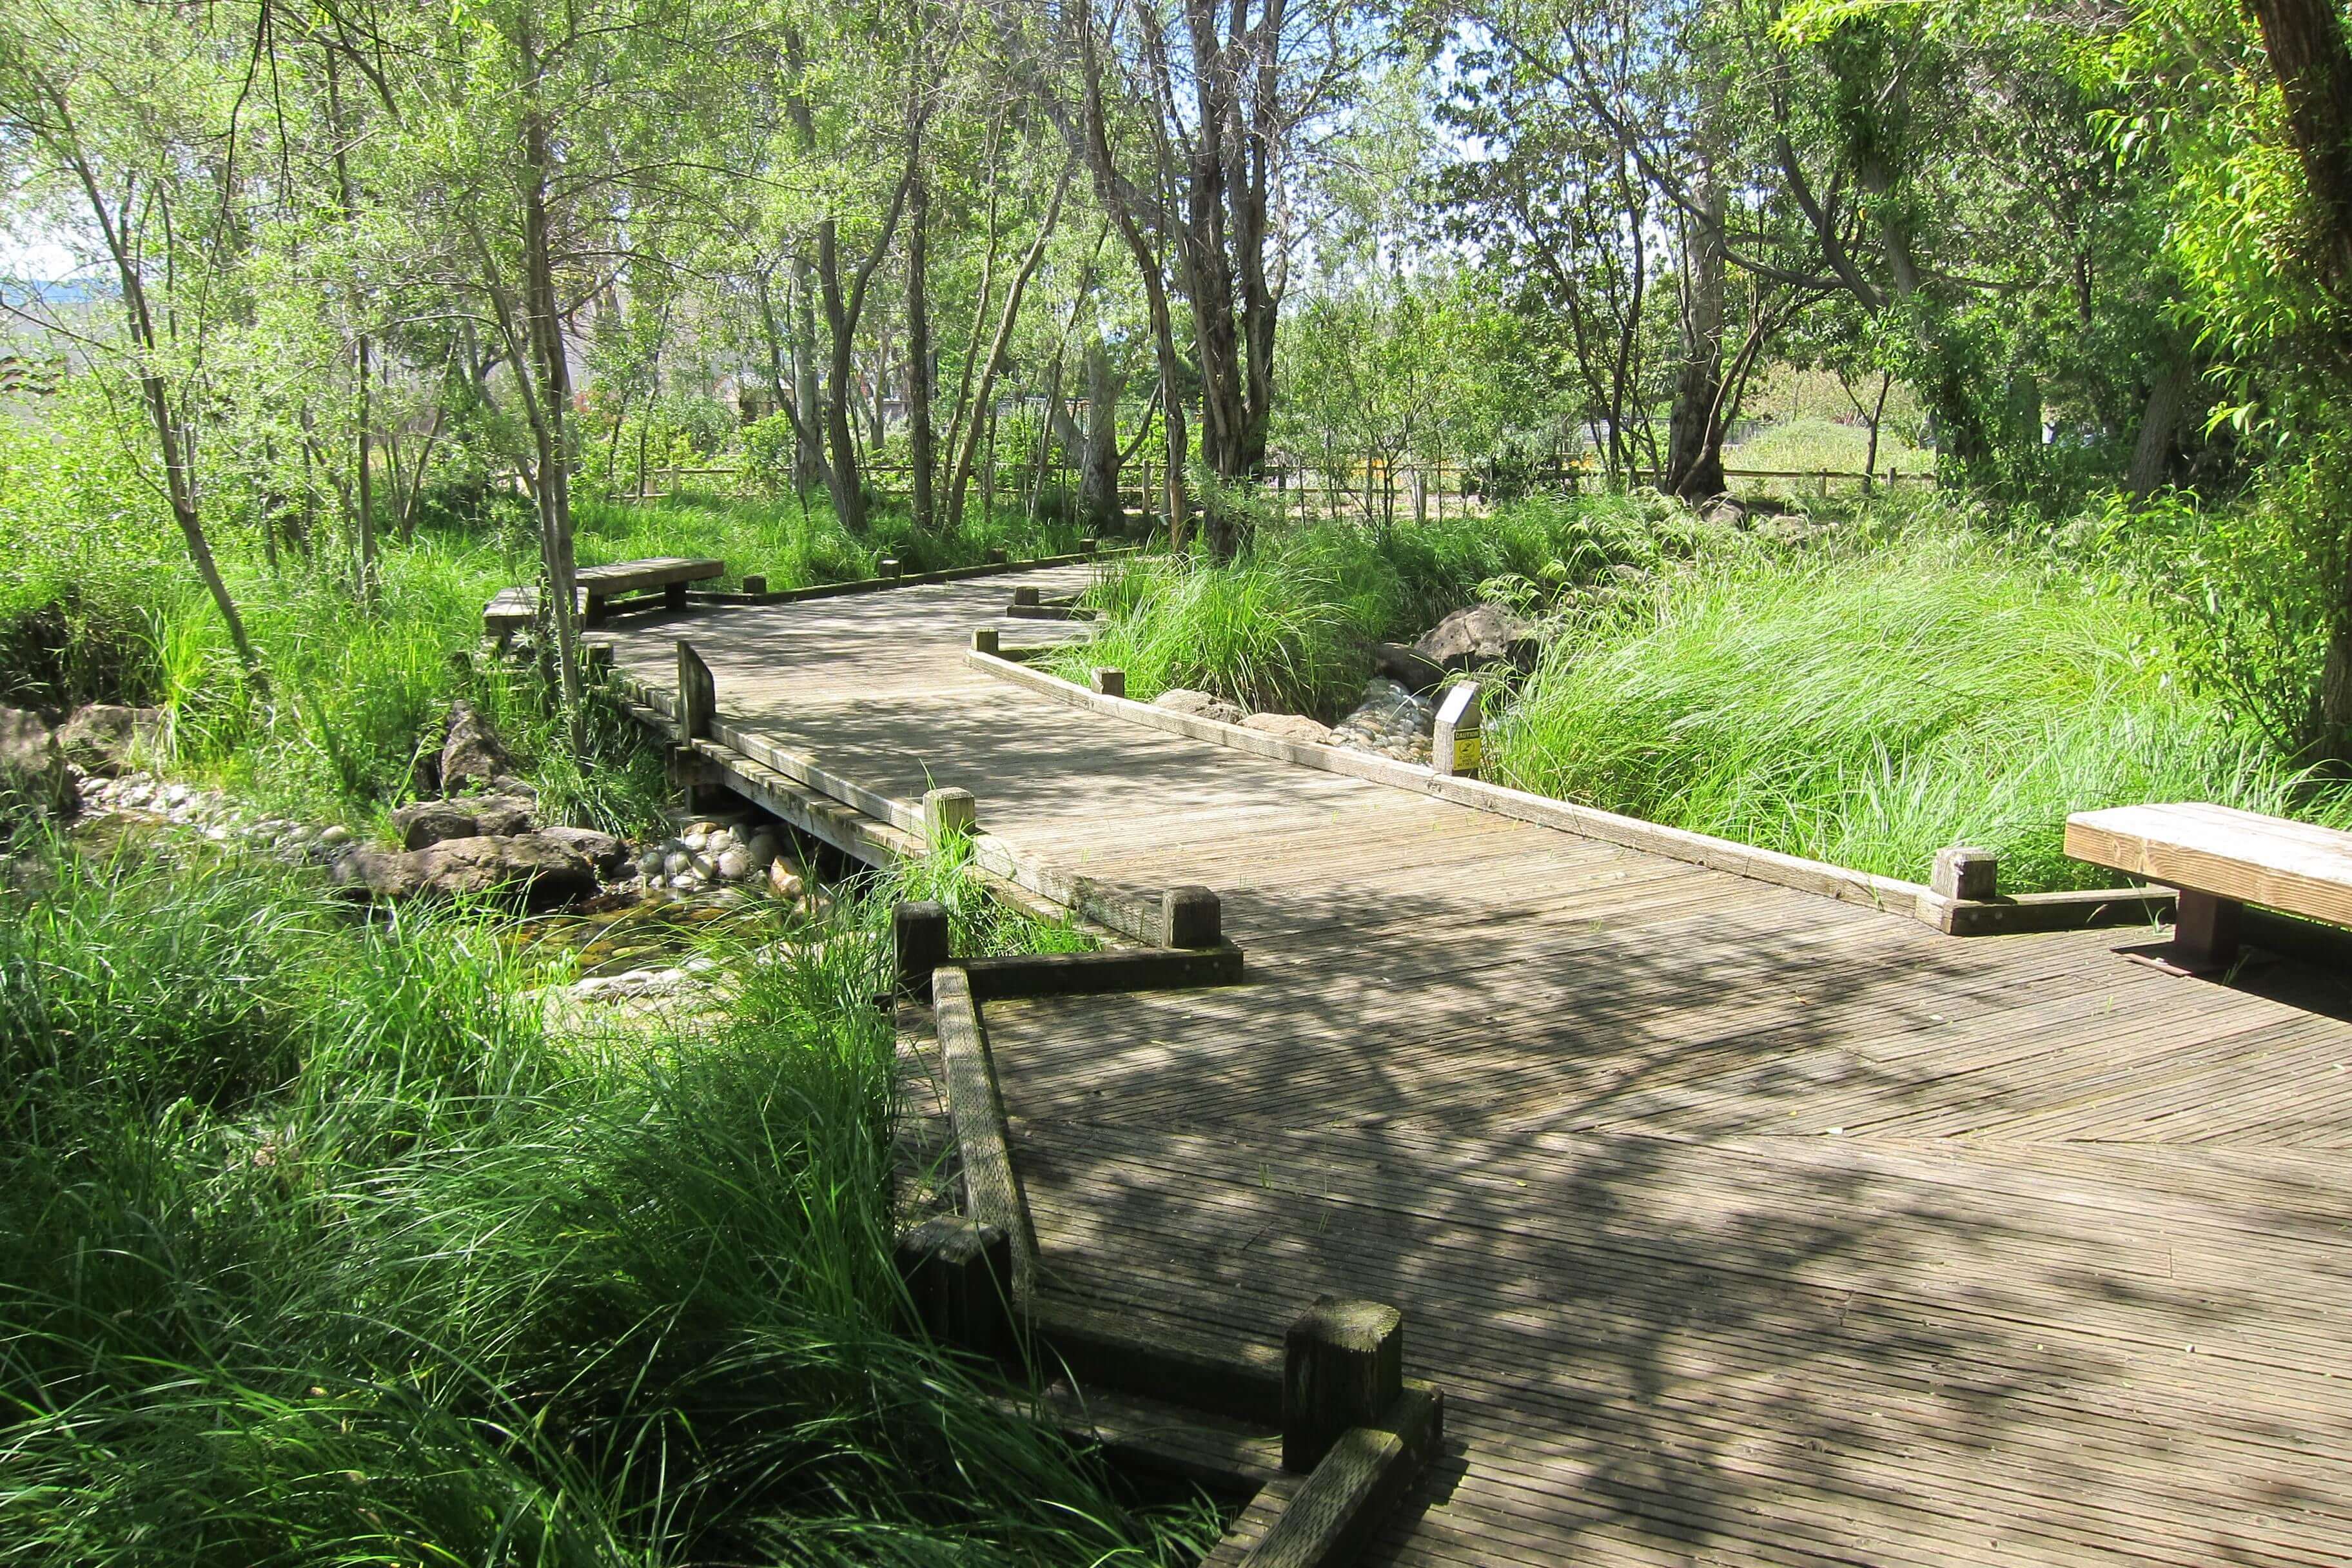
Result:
{"points": [[2026, 912]]}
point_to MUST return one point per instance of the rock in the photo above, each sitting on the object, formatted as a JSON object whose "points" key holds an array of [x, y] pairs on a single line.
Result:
{"points": [[677, 862], [102, 736], [1406, 668], [1289, 727], [335, 834], [33, 776], [544, 873], [430, 821], [734, 863], [1478, 636], [651, 863], [696, 839], [786, 881], [609, 855], [763, 849], [473, 756], [685, 882], [1200, 704]]}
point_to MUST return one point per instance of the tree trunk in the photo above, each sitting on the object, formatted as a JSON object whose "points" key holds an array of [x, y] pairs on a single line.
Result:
{"points": [[1099, 472], [2159, 424], [843, 481], [996, 349], [2305, 42], [1694, 469], [553, 396], [920, 392]]}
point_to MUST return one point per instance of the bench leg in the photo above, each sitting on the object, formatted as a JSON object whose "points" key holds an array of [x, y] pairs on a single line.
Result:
{"points": [[673, 596], [2205, 931], [596, 617]]}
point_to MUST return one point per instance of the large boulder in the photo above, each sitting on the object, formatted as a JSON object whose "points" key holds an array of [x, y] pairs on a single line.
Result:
{"points": [[1200, 704], [473, 757], [1289, 727], [540, 872], [102, 736], [1478, 636], [430, 821], [33, 776], [1406, 668], [610, 855]]}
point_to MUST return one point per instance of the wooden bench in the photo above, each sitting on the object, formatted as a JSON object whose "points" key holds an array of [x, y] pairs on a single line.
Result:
{"points": [[514, 608], [2221, 860], [670, 574]]}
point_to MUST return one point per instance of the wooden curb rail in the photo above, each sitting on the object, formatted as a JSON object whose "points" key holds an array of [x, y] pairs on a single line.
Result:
{"points": [[714, 597], [1954, 916]]}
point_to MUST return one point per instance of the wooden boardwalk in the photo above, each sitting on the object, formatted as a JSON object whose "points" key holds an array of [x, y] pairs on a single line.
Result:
{"points": [[1740, 1225]]}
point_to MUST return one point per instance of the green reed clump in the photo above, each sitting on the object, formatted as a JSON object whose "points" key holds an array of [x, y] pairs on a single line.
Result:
{"points": [[1869, 701], [1289, 623], [315, 1246]]}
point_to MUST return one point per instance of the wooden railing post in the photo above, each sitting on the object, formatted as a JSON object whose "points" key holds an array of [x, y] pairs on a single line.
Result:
{"points": [[1456, 747], [1342, 1366], [918, 942], [985, 640], [1191, 915], [697, 696], [1109, 682], [948, 812], [1966, 872]]}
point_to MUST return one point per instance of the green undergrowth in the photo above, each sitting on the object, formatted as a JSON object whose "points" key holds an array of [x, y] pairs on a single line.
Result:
{"points": [[1288, 625], [97, 601], [320, 1249], [1867, 701]]}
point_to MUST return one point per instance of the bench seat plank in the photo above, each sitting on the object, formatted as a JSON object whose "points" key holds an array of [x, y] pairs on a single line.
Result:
{"points": [[2241, 856], [660, 572]]}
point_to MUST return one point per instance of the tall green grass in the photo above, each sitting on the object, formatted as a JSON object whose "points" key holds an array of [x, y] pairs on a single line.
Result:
{"points": [[1867, 702], [316, 1247], [1291, 622]]}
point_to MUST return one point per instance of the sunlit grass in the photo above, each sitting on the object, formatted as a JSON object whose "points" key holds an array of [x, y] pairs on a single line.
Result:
{"points": [[320, 1249]]}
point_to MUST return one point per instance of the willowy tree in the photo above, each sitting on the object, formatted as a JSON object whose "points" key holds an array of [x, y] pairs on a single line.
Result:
{"points": [[542, 145], [125, 126]]}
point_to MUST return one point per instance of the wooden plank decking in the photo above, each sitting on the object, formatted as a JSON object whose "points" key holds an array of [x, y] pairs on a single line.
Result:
{"points": [[1740, 1225]]}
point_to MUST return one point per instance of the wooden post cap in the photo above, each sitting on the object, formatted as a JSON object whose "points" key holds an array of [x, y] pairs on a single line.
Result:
{"points": [[1966, 871], [959, 1278], [1342, 1366], [755, 584], [1191, 916], [985, 640], [918, 941], [597, 656], [947, 812], [889, 566], [1456, 748], [994, 558], [1110, 682], [1089, 544], [1025, 595]]}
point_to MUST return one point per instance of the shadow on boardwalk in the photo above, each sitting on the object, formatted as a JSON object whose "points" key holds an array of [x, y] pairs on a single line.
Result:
{"points": [[1689, 1301]]}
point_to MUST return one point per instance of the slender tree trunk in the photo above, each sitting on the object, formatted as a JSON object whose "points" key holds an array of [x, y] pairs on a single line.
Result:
{"points": [[554, 397], [365, 412], [996, 349], [841, 310], [920, 437]]}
